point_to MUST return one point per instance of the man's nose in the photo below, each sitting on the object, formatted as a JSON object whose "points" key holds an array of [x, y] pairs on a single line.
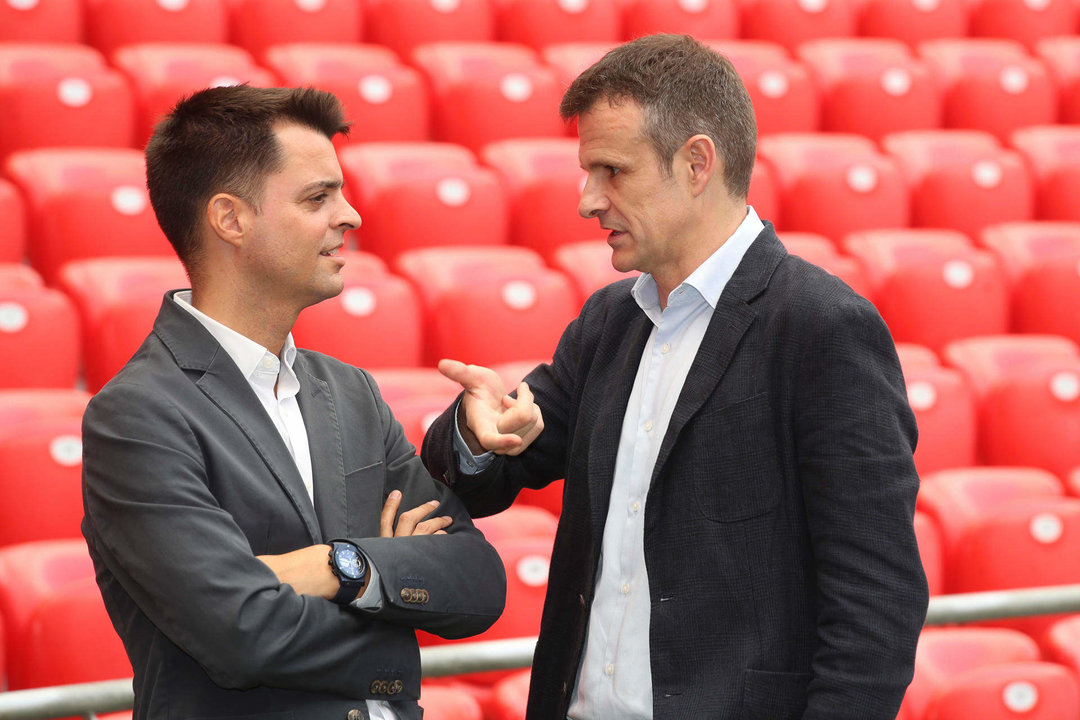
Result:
{"points": [[593, 200]]}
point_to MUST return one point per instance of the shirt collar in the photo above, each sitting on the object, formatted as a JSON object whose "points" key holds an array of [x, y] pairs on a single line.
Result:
{"points": [[711, 277]]}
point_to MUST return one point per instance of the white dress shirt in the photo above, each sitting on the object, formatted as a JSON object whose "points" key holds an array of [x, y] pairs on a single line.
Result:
{"points": [[615, 680], [276, 385]]}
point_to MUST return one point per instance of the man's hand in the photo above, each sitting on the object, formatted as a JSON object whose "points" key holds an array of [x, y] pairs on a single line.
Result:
{"points": [[411, 522], [489, 418]]}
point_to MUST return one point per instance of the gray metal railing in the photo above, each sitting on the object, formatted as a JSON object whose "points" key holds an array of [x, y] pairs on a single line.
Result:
{"points": [[443, 660]]}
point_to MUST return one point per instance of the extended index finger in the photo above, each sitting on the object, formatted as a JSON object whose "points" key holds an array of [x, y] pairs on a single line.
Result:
{"points": [[389, 513]]}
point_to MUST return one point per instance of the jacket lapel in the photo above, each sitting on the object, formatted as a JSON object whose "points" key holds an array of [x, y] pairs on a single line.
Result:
{"points": [[324, 440], [195, 349]]}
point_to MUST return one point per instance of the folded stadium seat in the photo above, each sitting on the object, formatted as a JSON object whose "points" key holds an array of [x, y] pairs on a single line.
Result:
{"points": [[817, 173], [118, 300], [588, 265], [991, 85], [944, 407], [949, 654], [85, 203], [526, 560], [483, 92], [519, 521], [1017, 378], [384, 99], [259, 24], [821, 251], [932, 286], [538, 23], [712, 19], [961, 179], [59, 21], [510, 696], [28, 405], [1061, 644], [447, 702], [29, 573], [791, 22], [1053, 154], [409, 382], [13, 229], [417, 195], [784, 96], [39, 338], [70, 639], [871, 87], [913, 21], [404, 25], [40, 471], [489, 305], [61, 95], [569, 60], [416, 415], [1025, 22], [513, 373], [1041, 261], [913, 355], [928, 537], [16, 275], [764, 195], [374, 322], [1062, 58], [543, 180], [1072, 483], [111, 24], [162, 73]]}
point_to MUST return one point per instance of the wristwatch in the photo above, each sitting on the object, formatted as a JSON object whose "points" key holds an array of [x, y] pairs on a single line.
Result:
{"points": [[350, 567]]}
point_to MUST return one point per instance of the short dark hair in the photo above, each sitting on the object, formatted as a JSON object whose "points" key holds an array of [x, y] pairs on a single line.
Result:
{"points": [[684, 88], [222, 140]]}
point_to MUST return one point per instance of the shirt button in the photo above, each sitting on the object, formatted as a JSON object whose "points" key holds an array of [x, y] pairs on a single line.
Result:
{"points": [[636, 506], [625, 589], [610, 670], [665, 348], [648, 425], [268, 362]]}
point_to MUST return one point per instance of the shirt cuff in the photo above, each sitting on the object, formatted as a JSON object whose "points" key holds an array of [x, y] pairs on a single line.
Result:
{"points": [[469, 464], [372, 598]]}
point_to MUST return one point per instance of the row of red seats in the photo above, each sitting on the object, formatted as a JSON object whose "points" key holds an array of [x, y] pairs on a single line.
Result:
{"points": [[67, 204], [476, 93], [404, 24]]}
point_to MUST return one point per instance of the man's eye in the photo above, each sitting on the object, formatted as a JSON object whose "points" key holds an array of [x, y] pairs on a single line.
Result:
{"points": [[613, 170], [319, 198]]}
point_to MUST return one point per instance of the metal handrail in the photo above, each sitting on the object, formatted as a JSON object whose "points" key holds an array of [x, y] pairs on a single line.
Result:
{"points": [[444, 660]]}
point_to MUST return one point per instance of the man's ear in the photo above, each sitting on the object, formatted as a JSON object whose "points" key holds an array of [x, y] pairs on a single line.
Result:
{"points": [[704, 162], [227, 216]]}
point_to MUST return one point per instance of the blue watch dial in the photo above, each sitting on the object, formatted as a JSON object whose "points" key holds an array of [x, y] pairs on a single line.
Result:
{"points": [[348, 561]]}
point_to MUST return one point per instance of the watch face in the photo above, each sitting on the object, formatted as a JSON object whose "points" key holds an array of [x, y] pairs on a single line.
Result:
{"points": [[348, 562]]}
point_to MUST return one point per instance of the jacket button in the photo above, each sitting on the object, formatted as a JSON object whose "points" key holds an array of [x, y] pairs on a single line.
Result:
{"points": [[424, 597], [396, 687], [406, 594], [354, 715], [374, 687]]}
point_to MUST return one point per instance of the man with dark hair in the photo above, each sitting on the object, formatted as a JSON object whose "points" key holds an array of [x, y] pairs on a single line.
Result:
{"points": [[736, 536], [242, 496]]}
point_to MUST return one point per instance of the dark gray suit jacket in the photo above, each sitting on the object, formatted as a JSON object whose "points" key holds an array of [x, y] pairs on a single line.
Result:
{"points": [[783, 569], [186, 480]]}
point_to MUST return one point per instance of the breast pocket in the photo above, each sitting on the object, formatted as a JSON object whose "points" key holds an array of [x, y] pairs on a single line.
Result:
{"points": [[735, 462], [364, 498]]}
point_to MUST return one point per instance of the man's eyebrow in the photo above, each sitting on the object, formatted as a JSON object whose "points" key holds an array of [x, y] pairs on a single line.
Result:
{"points": [[322, 185]]}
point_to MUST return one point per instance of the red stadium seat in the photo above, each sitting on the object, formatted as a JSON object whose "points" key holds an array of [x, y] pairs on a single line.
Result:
{"points": [[784, 97], [259, 24], [944, 407], [483, 92], [588, 264], [791, 22], [40, 472], [1072, 483], [519, 521], [932, 286], [1062, 58], [1041, 261], [397, 383], [913, 21], [1061, 644], [70, 639], [1024, 22], [928, 536], [915, 356], [59, 21], [538, 23], [991, 85], [960, 179], [1017, 378], [111, 24], [1036, 691], [1053, 153], [29, 573], [28, 405], [85, 203], [543, 181], [61, 95], [764, 195], [384, 99], [820, 251], [489, 305], [510, 696], [871, 87], [374, 322], [569, 60], [417, 195], [16, 275], [447, 702], [818, 173], [713, 19], [163, 73], [39, 338], [13, 228], [118, 300], [404, 25]]}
